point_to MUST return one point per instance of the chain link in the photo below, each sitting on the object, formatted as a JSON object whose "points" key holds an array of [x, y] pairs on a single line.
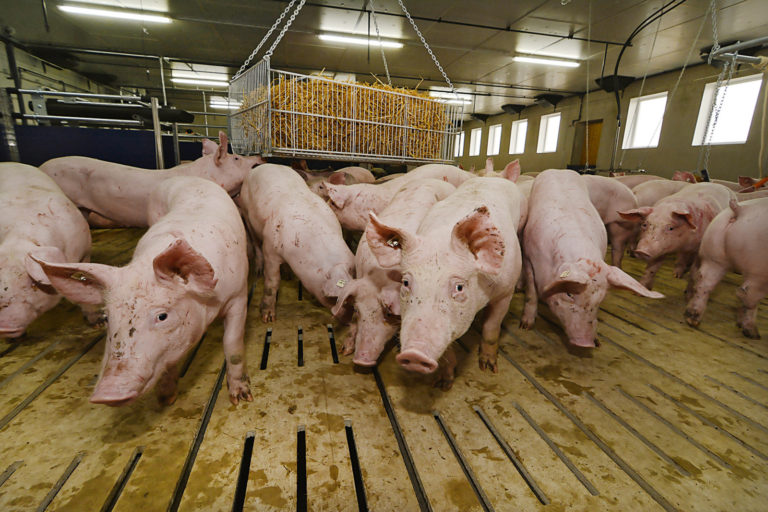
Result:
{"points": [[381, 46], [264, 40], [714, 112], [285, 28], [424, 42], [715, 42]]}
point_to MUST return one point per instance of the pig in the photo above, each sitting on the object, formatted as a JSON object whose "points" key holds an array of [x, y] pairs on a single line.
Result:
{"points": [[685, 176], [609, 196], [112, 194], [747, 184], [676, 223], [563, 246], [189, 268], [650, 192], [511, 171], [344, 176], [376, 290], [633, 180], [465, 256], [736, 239], [36, 217], [295, 226], [352, 203]]}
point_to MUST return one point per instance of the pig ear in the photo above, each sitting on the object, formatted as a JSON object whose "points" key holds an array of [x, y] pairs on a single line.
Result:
{"points": [[47, 254], [337, 194], [477, 233], [746, 181], [489, 166], [636, 214], [221, 151], [390, 299], [180, 261], [337, 178], [570, 280], [303, 174], [83, 283], [683, 176], [209, 147], [512, 171], [620, 279], [387, 242], [347, 293], [685, 216]]}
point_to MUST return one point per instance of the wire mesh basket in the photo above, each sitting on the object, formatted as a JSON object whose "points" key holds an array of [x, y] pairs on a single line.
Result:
{"points": [[281, 113]]}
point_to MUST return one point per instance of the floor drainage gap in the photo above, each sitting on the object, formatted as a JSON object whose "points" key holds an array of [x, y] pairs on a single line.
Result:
{"points": [[332, 341], [357, 474], [243, 473], [60, 483], [122, 480], [265, 351]]}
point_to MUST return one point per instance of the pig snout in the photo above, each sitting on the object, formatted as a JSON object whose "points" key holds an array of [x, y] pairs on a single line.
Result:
{"points": [[583, 342], [643, 255], [416, 361], [113, 394], [364, 360]]}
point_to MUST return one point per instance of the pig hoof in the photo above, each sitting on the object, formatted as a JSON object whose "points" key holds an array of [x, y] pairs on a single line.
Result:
{"points": [[692, 318], [443, 384], [751, 333], [486, 364], [166, 400], [268, 316], [349, 346], [525, 324], [239, 391]]}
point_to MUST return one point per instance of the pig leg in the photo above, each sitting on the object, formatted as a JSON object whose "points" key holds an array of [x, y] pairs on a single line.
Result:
{"points": [[272, 263], [167, 387], [651, 268], [704, 280], [618, 243], [447, 373], [97, 221], [683, 262], [531, 298], [751, 292], [349, 342], [489, 346], [234, 350]]}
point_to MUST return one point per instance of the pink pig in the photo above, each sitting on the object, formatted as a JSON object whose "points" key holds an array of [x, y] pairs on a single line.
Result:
{"points": [[676, 223], [352, 203], [35, 216], [650, 192], [736, 239], [189, 268], [563, 246], [633, 180], [295, 226], [344, 176], [117, 195], [464, 256], [609, 196], [376, 291]]}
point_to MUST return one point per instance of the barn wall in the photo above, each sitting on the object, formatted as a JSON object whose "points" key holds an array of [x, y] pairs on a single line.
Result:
{"points": [[674, 152]]}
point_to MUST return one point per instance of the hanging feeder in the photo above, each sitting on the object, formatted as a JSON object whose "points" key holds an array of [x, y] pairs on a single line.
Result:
{"points": [[294, 115]]}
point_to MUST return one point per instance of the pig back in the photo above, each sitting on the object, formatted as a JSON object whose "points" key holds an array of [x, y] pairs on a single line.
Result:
{"points": [[608, 196]]}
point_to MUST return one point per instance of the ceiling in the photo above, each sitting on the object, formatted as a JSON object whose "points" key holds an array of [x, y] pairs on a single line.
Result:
{"points": [[474, 41]]}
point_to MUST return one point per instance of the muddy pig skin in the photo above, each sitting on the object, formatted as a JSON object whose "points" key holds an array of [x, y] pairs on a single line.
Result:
{"points": [[36, 217], [352, 203], [737, 239], [295, 226], [676, 223], [189, 268], [609, 196], [465, 256], [563, 245], [376, 291], [113, 194]]}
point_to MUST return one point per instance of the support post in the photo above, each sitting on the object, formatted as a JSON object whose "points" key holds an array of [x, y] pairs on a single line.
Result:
{"points": [[158, 135]]}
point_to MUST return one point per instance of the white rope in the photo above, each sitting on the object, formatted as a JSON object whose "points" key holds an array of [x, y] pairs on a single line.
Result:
{"points": [[586, 96]]}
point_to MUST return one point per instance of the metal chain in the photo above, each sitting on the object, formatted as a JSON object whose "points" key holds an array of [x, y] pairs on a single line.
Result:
{"points": [[285, 28], [714, 112], [264, 40], [424, 42], [715, 42], [381, 46]]}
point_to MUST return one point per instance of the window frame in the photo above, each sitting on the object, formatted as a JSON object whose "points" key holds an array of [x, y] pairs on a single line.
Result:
{"points": [[475, 141], [634, 115], [494, 138], [708, 97], [513, 135], [543, 130], [458, 145]]}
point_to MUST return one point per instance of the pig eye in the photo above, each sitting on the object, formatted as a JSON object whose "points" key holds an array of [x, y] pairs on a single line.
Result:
{"points": [[670, 228], [459, 288], [644, 225], [162, 317], [406, 283], [569, 295]]}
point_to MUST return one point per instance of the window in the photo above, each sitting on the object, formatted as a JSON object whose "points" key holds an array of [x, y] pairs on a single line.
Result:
{"points": [[458, 149], [494, 139], [644, 121], [474, 141], [550, 126], [517, 137], [737, 104]]}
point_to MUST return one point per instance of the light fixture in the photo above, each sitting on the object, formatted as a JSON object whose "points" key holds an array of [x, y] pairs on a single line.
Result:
{"points": [[364, 41], [194, 81], [546, 60], [200, 75], [109, 13], [223, 103], [451, 98]]}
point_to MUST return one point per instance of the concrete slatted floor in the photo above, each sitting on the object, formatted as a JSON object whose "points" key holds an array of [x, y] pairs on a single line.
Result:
{"points": [[659, 417]]}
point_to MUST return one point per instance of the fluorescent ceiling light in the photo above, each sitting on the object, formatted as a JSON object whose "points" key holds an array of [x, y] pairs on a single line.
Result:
{"points": [[360, 40], [451, 98], [221, 102], [546, 60], [200, 75], [193, 81], [108, 13]]}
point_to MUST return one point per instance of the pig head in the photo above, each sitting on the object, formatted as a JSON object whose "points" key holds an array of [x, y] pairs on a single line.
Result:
{"points": [[25, 291], [577, 292], [443, 285], [670, 227], [224, 168], [155, 316]]}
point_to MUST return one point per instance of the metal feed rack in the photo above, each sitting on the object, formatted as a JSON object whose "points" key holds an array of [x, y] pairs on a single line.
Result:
{"points": [[295, 115]]}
